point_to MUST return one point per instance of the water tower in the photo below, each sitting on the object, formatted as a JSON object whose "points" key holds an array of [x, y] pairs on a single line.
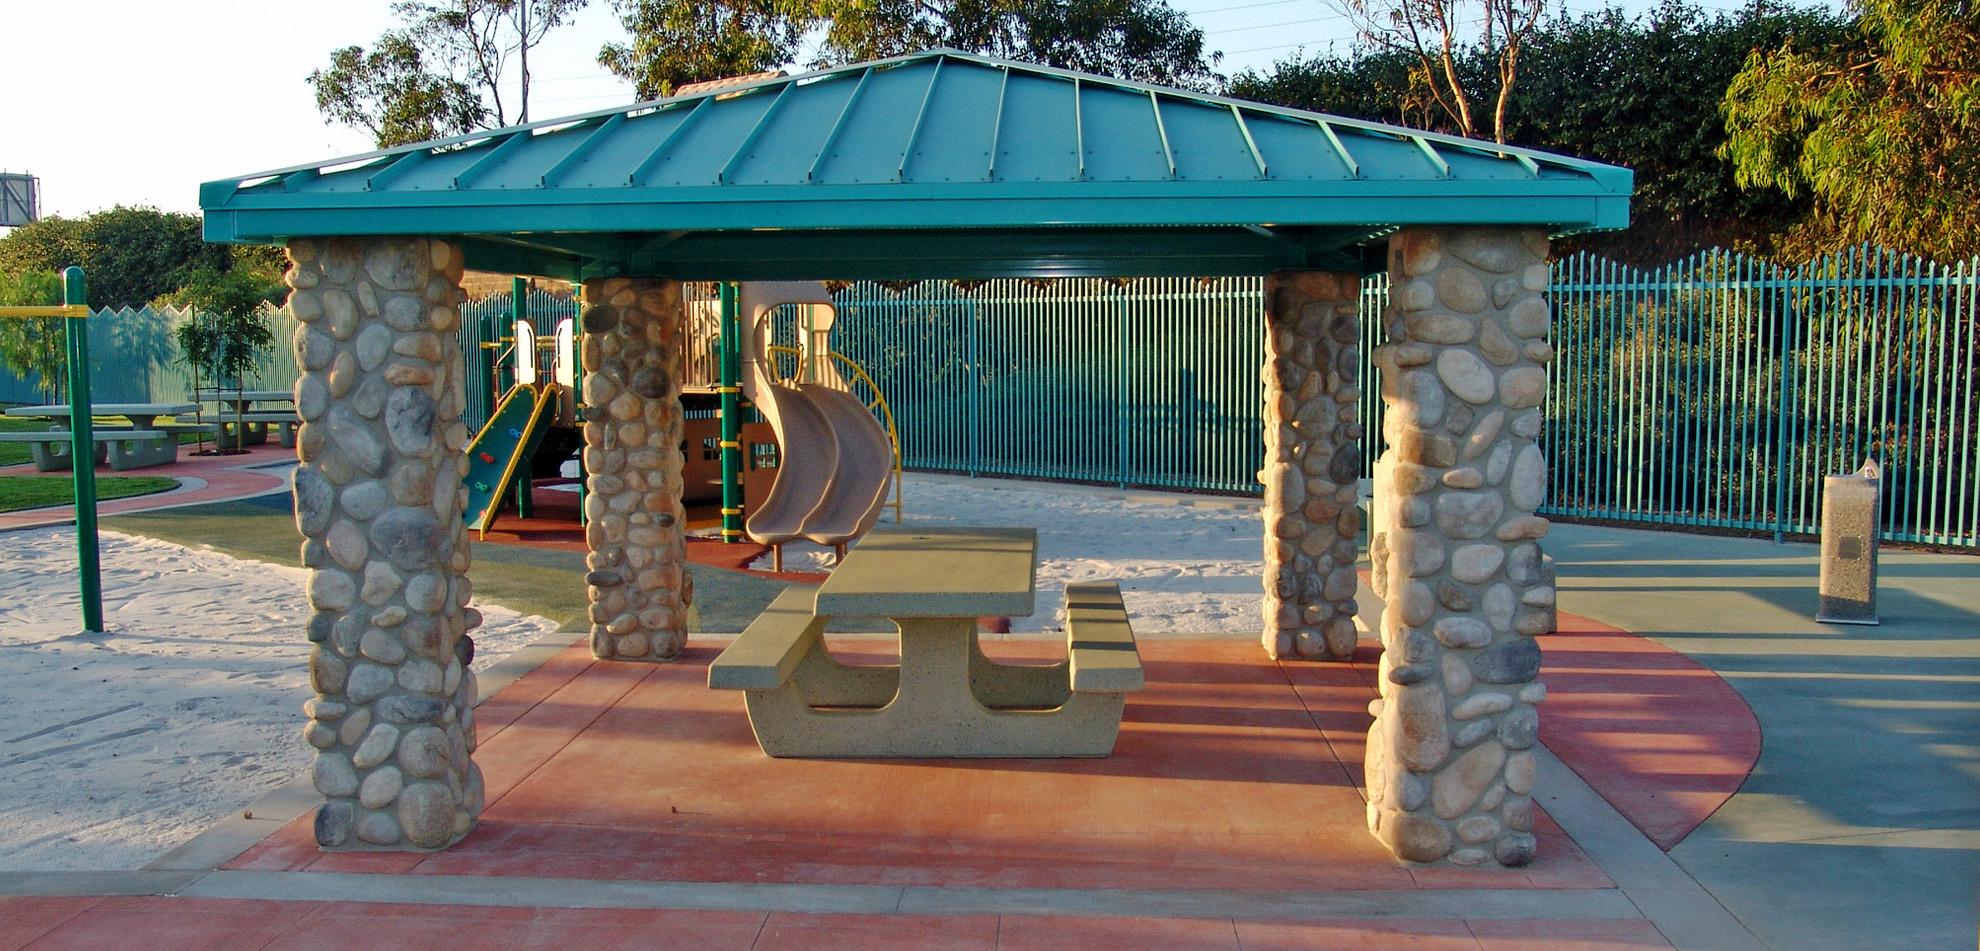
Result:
{"points": [[20, 199]]}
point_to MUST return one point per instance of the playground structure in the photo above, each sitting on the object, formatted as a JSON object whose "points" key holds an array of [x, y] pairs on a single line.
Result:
{"points": [[533, 430], [841, 463], [838, 461]]}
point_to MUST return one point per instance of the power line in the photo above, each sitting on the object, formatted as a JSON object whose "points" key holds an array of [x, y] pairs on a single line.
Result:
{"points": [[1269, 26], [1243, 6]]}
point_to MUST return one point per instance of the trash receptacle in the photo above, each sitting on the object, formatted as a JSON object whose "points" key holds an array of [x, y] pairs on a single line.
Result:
{"points": [[1850, 523]]}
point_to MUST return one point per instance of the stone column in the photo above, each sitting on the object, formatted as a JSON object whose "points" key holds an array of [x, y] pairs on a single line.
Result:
{"points": [[1449, 759], [1312, 462], [378, 501], [639, 582]]}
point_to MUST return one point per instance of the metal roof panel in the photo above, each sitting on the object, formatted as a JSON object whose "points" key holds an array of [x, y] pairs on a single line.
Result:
{"points": [[944, 141]]}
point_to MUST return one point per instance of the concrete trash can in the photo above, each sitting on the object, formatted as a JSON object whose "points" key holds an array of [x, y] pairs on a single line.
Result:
{"points": [[1850, 523]]}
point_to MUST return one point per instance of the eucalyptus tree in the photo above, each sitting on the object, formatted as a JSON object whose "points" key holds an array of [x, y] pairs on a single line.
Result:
{"points": [[1881, 128], [442, 72]]}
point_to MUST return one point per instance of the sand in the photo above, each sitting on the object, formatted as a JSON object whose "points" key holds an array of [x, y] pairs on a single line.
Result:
{"points": [[116, 747]]}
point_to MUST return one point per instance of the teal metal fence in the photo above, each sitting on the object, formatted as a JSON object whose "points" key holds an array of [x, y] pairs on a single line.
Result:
{"points": [[1154, 383], [1719, 390], [1716, 391]]}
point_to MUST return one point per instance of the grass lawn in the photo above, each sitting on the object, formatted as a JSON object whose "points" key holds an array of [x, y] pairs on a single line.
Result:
{"points": [[40, 491]]}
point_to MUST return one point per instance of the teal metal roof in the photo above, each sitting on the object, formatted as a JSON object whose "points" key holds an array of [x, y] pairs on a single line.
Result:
{"points": [[937, 164]]}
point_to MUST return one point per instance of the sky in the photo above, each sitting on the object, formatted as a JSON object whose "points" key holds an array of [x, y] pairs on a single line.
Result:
{"points": [[136, 102]]}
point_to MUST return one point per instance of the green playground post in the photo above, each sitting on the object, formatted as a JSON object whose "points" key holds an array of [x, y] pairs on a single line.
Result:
{"points": [[731, 389], [82, 454]]}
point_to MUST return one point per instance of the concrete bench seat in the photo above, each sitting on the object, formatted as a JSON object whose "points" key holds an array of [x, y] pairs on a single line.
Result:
{"points": [[123, 448], [257, 423], [1100, 644], [765, 654]]}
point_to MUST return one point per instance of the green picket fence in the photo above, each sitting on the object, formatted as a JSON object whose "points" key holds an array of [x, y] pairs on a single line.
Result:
{"points": [[134, 359]]}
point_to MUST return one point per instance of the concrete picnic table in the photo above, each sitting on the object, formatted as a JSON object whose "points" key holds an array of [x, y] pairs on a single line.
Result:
{"points": [[144, 444], [241, 403], [945, 699]]}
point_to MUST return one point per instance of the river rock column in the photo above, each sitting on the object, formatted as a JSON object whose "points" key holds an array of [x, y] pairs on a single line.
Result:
{"points": [[638, 581], [1449, 759], [1312, 462], [378, 501]]}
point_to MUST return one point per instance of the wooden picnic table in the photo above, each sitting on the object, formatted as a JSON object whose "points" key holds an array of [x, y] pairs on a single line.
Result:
{"points": [[142, 444], [945, 698]]}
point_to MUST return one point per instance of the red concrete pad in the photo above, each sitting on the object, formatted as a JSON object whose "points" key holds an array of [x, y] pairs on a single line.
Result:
{"points": [[1379, 934], [170, 924], [1225, 776], [638, 929], [1053, 933], [785, 931], [341, 926], [1625, 934], [22, 920], [1662, 738]]}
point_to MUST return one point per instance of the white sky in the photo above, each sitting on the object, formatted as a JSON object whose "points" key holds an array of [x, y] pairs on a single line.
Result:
{"points": [[137, 102]]}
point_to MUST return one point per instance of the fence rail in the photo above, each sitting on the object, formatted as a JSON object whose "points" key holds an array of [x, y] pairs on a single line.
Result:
{"points": [[1716, 391]]}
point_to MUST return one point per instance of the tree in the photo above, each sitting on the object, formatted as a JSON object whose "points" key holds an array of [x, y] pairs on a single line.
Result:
{"points": [[1642, 92], [34, 345], [131, 255], [1143, 40], [1881, 129], [226, 332], [1438, 35], [673, 42], [442, 73], [1373, 84], [390, 93]]}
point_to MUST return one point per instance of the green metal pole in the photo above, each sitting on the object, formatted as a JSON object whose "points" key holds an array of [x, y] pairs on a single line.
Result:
{"points": [[82, 454], [731, 389]]}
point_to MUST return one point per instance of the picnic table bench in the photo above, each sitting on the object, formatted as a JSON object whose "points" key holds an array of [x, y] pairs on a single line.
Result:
{"points": [[945, 698], [142, 444]]}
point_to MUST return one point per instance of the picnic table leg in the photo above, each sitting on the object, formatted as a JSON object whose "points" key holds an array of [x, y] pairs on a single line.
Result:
{"points": [[1017, 687]]}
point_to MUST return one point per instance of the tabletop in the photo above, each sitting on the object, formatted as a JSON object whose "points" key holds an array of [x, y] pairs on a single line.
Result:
{"points": [[911, 572], [245, 396], [61, 411]]}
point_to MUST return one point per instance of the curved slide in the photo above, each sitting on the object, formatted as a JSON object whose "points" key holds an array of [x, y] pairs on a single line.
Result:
{"points": [[810, 461], [836, 460], [851, 503]]}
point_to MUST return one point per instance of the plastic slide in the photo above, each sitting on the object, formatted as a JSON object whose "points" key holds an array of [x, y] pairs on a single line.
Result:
{"points": [[837, 459], [510, 436], [804, 474], [852, 501]]}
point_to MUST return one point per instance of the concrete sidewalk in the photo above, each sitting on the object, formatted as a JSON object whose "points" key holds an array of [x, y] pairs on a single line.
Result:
{"points": [[1860, 825]]}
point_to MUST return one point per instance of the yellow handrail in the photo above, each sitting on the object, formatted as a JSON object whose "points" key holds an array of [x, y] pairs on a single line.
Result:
{"points": [[880, 400]]}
